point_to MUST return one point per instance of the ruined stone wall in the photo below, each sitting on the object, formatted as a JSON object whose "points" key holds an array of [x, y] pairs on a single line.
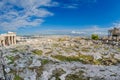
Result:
{"points": [[114, 34]]}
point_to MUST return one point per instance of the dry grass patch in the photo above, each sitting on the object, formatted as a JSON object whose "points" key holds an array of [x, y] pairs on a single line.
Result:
{"points": [[81, 58], [38, 52]]}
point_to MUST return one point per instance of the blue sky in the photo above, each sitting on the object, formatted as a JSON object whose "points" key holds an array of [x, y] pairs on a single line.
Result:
{"points": [[54, 16]]}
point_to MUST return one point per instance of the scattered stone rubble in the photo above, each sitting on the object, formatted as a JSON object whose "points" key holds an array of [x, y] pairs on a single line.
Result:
{"points": [[35, 62]]}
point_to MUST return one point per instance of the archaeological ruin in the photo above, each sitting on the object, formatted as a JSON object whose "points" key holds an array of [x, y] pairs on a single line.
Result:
{"points": [[114, 34], [8, 39]]}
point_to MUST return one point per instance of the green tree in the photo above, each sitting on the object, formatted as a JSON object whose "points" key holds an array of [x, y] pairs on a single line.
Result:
{"points": [[95, 37]]}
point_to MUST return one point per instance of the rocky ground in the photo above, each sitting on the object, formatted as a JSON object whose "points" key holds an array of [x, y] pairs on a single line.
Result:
{"points": [[61, 58]]}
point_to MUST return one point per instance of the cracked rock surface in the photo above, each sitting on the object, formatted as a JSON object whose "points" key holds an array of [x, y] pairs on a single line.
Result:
{"points": [[61, 58]]}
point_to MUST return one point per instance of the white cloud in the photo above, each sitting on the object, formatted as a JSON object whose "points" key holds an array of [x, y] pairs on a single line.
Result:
{"points": [[73, 4], [70, 6], [78, 32], [19, 13], [92, 30], [117, 25]]}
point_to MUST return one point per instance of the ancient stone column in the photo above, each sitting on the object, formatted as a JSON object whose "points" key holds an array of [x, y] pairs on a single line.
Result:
{"points": [[14, 39], [3, 42], [0, 42], [10, 37], [9, 40]]}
